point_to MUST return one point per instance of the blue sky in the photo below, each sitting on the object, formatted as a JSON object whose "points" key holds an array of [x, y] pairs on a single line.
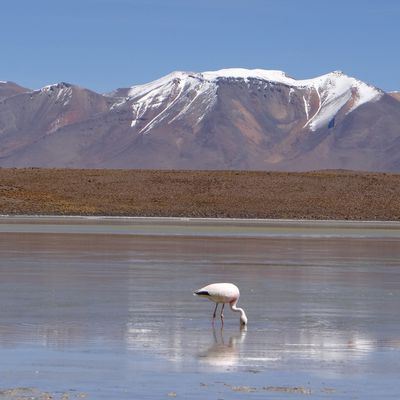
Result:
{"points": [[105, 44]]}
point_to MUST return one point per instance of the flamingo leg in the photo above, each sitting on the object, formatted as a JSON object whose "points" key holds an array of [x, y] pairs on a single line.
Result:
{"points": [[222, 316], [215, 311], [222, 311]]}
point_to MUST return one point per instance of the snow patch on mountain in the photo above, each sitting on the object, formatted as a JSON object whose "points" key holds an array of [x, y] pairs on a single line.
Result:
{"points": [[246, 74], [63, 91], [306, 108], [162, 83], [171, 97], [334, 90]]}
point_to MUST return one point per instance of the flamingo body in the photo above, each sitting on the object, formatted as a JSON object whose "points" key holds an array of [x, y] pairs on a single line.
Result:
{"points": [[223, 293]]}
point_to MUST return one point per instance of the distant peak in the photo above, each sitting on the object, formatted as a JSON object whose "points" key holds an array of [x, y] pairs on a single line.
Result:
{"points": [[243, 73], [338, 72], [60, 85]]}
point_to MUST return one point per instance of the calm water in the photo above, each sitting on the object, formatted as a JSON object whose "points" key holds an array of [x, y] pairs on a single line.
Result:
{"points": [[105, 308]]}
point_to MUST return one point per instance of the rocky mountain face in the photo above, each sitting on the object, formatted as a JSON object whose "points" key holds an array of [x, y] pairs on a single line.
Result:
{"points": [[228, 119]]}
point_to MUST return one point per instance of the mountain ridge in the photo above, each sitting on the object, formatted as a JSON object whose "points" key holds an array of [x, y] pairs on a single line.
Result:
{"points": [[226, 119]]}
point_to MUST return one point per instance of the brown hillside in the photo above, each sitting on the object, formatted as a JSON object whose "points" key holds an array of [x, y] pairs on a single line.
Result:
{"points": [[312, 195]]}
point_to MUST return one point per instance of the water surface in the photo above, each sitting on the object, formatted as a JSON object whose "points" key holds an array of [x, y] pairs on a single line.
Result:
{"points": [[104, 307]]}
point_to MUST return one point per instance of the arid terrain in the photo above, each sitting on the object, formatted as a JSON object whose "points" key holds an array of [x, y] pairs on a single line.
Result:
{"points": [[312, 195]]}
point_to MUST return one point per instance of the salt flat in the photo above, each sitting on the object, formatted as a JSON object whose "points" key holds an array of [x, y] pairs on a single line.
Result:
{"points": [[103, 308]]}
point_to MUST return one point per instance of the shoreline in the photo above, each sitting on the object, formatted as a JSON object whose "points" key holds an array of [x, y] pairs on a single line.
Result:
{"points": [[200, 227], [260, 221]]}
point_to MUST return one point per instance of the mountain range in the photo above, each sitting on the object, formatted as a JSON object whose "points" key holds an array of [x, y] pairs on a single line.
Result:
{"points": [[227, 119]]}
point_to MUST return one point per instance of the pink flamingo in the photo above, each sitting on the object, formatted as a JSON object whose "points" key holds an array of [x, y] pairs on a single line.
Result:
{"points": [[223, 293]]}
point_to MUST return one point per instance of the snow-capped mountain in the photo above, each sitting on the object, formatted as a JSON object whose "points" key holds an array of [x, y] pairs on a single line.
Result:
{"points": [[323, 97], [227, 119]]}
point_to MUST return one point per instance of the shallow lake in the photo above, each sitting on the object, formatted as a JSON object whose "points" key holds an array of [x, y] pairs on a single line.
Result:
{"points": [[103, 308]]}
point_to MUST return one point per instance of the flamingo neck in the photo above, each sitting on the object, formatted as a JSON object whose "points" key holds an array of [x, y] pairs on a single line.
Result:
{"points": [[243, 317]]}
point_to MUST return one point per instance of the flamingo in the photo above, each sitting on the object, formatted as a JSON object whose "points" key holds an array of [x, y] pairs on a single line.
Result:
{"points": [[223, 293]]}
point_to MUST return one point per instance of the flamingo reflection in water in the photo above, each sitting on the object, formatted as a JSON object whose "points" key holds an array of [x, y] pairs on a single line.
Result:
{"points": [[223, 353]]}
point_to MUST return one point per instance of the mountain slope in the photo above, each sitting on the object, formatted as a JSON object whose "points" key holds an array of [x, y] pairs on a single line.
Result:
{"points": [[29, 119], [395, 95], [8, 89], [227, 119]]}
